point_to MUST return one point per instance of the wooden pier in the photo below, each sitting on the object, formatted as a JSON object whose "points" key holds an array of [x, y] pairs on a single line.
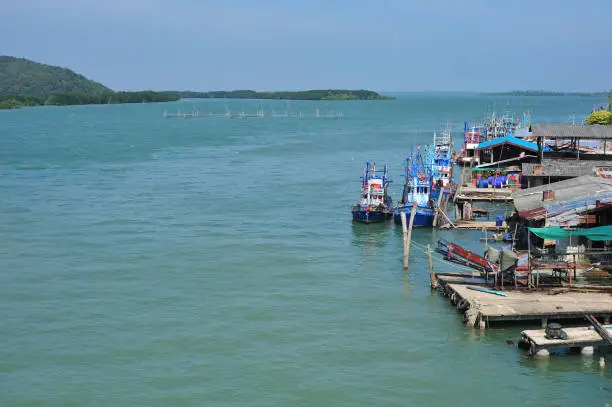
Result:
{"points": [[468, 193], [585, 339], [475, 225], [484, 308]]}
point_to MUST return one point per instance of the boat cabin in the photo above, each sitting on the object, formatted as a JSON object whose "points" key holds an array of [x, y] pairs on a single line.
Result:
{"points": [[442, 170], [373, 192], [417, 192], [471, 138]]}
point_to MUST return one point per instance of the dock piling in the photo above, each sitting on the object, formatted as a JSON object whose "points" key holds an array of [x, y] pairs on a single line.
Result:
{"points": [[405, 237], [432, 276], [482, 324], [437, 211], [407, 234], [587, 350], [412, 213]]}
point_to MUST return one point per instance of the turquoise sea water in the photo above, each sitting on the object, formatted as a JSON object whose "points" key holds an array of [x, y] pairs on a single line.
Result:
{"points": [[213, 262]]}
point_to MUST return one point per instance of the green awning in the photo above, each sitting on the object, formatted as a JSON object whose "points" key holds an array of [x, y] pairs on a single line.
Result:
{"points": [[600, 233]]}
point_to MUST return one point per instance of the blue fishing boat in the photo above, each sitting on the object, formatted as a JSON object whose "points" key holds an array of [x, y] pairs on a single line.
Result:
{"points": [[442, 164], [375, 204], [417, 190]]}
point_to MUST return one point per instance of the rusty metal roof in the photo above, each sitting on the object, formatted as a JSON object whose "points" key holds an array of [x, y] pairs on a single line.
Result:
{"points": [[534, 214], [563, 168], [568, 131], [568, 195]]}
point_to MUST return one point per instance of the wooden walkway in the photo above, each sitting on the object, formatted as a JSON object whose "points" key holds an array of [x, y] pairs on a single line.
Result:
{"points": [[484, 308], [471, 194], [476, 225]]}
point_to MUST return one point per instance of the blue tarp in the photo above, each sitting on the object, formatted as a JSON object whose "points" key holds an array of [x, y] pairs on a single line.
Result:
{"points": [[527, 145]]}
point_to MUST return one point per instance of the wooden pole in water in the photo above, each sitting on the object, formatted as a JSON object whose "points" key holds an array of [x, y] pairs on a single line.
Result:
{"points": [[435, 219], [432, 276], [405, 236], [409, 236]]}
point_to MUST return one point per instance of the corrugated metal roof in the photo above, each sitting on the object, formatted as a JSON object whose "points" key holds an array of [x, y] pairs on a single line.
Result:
{"points": [[563, 168], [569, 195], [508, 140], [538, 213], [522, 132], [568, 131]]}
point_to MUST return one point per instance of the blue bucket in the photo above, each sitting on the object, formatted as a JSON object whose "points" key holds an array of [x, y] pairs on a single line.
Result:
{"points": [[499, 220]]}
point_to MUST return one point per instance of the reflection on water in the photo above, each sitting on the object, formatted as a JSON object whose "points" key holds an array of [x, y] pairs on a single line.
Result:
{"points": [[564, 362], [370, 239]]}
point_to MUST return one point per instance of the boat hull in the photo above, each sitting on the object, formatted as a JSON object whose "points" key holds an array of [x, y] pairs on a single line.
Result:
{"points": [[422, 218], [448, 191], [363, 216]]}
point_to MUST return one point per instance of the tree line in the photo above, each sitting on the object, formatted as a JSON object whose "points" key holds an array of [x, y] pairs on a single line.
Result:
{"points": [[65, 99], [323, 94]]}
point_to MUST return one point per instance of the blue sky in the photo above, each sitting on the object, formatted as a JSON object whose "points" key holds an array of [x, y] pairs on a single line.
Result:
{"points": [[384, 45]]}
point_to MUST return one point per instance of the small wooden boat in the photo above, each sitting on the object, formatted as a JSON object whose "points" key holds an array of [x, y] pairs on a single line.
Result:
{"points": [[457, 254]]}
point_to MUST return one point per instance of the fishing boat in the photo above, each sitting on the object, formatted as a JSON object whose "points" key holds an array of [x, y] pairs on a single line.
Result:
{"points": [[472, 136], [494, 127], [375, 204], [506, 125], [442, 164], [417, 190]]}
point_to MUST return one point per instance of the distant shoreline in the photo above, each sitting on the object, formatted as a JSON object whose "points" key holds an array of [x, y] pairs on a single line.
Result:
{"points": [[319, 94], [76, 99], [70, 99], [544, 93]]}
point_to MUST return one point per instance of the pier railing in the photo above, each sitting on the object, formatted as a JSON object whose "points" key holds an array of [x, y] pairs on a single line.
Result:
{"points": [[569, 259]]}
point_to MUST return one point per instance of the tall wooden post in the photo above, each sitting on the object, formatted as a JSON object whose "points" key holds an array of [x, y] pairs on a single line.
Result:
{"points": [[432, 276], [438, 209], [408, 235], [405, 236]]}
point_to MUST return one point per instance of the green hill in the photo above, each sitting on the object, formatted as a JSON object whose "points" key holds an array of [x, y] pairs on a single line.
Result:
{"points": [[27, 83], [19, 76]]}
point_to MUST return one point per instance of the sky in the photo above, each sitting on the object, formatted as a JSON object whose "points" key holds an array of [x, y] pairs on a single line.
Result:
{"points": [[383, 45]]}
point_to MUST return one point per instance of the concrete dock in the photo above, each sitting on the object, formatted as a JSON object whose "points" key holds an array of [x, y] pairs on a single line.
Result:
{"points": [[585, 339], [484, 308]]}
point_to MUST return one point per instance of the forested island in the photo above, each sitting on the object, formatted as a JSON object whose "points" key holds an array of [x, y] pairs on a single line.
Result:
{"points": [[546, 93], [28, 83], [323, 94]]}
